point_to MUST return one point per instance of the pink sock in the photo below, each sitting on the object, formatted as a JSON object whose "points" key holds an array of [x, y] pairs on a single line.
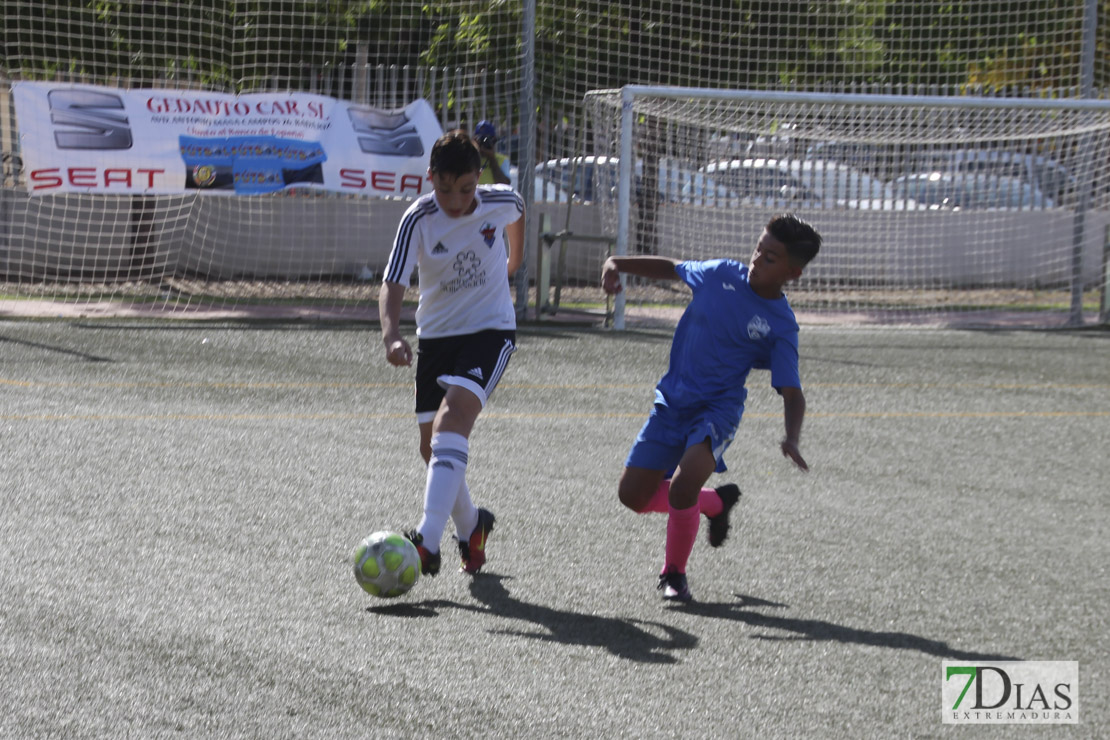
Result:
{"points": [[709, 503], [659, 502], [682, 530]]}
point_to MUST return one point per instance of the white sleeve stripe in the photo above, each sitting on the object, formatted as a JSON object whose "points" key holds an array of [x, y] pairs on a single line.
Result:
{"points": [[505, 198], [510, 197], [396, 265]]}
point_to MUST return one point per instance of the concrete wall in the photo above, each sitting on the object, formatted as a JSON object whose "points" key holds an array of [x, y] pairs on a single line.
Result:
{"points": [[296, 237]]}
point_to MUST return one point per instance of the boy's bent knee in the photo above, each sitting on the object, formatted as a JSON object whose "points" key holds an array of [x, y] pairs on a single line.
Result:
{"points": [[637, 488], [632, 499]]}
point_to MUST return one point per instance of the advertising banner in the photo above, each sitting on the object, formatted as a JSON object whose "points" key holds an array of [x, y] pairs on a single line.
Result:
{"points": [[91, 139]]}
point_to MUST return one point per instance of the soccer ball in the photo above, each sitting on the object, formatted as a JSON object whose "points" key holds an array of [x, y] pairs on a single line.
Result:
{"points": [[386, 565]]}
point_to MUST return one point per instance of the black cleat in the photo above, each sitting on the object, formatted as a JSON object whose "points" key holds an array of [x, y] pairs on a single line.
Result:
{"points": [[718, 525], [674, 587]]}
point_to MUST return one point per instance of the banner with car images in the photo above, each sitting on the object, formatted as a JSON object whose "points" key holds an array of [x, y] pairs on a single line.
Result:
{"points": [[92, 139]]}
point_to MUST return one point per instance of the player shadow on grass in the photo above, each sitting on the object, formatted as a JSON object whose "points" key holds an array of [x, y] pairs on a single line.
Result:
{"points": [[817, 630], [623, 638], [420, 610]]}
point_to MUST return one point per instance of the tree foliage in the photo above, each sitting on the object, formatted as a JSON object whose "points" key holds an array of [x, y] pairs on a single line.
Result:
{"points": [[581, 44]]}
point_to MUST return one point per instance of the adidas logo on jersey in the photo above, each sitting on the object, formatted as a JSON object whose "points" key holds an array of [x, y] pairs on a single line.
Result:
{"points": [[439, 248], [476, 373]]}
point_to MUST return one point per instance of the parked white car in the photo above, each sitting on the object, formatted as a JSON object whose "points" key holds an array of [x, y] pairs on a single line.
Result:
{"points": [[791, 184], [890, 160], [595, 179], [969, 191], [1043, 173], [761, 182], [542, 190], [586, 179]]}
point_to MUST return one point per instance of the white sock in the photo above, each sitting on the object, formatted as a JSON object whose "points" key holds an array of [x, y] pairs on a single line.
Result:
{"points": [[465, 514], [446, 475]]}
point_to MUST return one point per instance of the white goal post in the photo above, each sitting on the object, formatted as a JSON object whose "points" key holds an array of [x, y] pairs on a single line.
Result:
{"points": [[983, 209]]}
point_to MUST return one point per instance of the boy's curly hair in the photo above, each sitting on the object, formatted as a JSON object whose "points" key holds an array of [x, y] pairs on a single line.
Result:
{"points": [[801, 240]]}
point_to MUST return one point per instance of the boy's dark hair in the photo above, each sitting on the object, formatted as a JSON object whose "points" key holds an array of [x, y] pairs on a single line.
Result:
{"points": [[801, 240], [454, 154]]}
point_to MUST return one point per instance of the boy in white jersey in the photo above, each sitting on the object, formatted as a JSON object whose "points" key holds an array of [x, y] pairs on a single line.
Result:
{"points": [[737, 319], [466, 325]]}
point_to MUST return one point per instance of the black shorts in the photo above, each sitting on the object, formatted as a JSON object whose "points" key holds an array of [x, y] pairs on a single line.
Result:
{"points": [[473, 361]]}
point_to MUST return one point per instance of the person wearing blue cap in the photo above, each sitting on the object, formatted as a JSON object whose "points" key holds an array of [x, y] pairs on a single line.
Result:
{"points": [[495, 167]]}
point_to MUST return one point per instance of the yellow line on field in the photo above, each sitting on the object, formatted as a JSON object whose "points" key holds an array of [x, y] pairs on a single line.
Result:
{"points": [[193, 384], [549, 416], [307, 386], [967, 386], [202, 417], [829, 415], [526, 386], [952, 414]]}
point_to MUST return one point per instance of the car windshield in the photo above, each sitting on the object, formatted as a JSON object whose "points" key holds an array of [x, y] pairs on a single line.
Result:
{"points": [[759, 179], [597, 179], [834, 181], [589, 177], [972, 192], [1043, 173]]}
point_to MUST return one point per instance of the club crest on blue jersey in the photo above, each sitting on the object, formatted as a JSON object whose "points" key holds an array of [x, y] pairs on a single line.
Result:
{"points": [[758, 328], [488, 232]]}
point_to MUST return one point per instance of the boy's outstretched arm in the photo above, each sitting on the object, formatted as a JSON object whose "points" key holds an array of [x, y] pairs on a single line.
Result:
{"points": [[646, 266], [794, 411]]}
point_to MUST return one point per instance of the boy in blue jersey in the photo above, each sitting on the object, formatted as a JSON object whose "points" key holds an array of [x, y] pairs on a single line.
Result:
{"points": [[737, 319], [466, 323]]}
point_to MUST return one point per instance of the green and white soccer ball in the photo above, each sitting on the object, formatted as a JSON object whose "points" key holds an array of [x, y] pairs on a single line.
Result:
{"points": [[387, 565]]}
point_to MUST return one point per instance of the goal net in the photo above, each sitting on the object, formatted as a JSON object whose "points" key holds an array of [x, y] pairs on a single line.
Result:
{"points": [[525, 65], [933, 209], [185, 157]]}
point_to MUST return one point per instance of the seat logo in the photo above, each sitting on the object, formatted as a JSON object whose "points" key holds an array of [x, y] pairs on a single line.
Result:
{"points": [[88, 119], [385, 132]]}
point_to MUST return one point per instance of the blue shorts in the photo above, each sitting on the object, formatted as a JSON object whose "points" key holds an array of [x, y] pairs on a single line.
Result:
{"points": [[667, 434]]}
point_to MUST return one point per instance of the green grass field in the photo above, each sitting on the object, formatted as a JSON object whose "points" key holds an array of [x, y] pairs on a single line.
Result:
{"points": [[181, 502]]}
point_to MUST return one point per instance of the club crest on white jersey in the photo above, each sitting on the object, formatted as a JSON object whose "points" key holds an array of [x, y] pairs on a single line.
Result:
{"points": [[488, 232]]}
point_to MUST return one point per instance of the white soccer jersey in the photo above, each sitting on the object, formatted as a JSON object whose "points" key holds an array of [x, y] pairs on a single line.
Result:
{"points": [[463, 274]]}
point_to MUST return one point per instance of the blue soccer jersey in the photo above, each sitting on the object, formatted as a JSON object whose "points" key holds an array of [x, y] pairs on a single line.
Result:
{"points": [[725, 332]]}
